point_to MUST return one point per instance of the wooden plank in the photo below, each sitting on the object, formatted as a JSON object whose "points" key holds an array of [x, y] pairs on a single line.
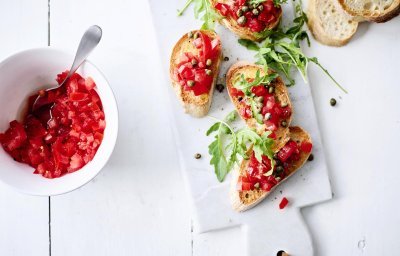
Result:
{"points": [[137, 205], [23, 219]]}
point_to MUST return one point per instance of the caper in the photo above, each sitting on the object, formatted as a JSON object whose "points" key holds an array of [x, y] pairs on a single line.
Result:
{"points": [[333, 102], [245, 8], [276, 156], [190, 83], [194, 62], [267, 116], [261, 7], [284, 104], [196, 35], [259, 105], [242, 20], [239, 13], [208, 72], [271, 89], [190, 34], [255, 12], [277, 178], [197, 156], [284, 123], [259, 99], [257, 185], [208, 62], [279, 169], [311, 157]]}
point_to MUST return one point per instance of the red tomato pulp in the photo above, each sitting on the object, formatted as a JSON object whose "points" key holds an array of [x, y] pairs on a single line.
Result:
{"points": [[64, 134]]}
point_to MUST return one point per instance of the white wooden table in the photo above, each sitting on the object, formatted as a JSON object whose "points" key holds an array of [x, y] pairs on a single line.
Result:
{"points": [[138, 206]]}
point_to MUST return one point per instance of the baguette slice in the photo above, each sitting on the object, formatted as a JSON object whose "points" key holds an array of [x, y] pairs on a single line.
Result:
{"points": [[371, 10], [281, 96], [244, 200], [243, 32], [329, 23], [197, 106]]}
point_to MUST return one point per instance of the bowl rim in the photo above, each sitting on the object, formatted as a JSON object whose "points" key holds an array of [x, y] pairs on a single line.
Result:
{"points": [[112, 146]]}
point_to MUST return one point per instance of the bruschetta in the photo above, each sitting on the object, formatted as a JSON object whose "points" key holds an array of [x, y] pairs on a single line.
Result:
{"points": [[254, 180], [248, 19], [194, 67], [266, 107]]}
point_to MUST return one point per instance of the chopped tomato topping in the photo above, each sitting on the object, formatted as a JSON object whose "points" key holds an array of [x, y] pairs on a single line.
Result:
{"points": [[284, 202], [306, 146], [192, 72], [67, 141]]}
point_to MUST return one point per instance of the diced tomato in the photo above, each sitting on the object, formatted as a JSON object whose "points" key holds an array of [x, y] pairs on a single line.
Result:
{"points": [[206, 48], [235, 92], [78, 96], [256, 25], [259, 90], [198, 42], [284, 202], [287, 151], [270, 126], [246, 112], [89, 83], [306, 146], [14, 137], [223, 9], [202, 82]]}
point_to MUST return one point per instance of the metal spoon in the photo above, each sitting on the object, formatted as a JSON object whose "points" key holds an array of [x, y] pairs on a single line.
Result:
{"points": [[89, 41]]}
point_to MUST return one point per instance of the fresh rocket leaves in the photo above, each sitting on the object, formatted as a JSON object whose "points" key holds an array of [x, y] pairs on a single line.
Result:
{"points": [[203, 11], [276, 2], [281, 50], [228, 145]]}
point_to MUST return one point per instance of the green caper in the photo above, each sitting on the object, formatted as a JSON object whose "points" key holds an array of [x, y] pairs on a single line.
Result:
{"points": [[197, 156], [239, 13], [279, 169], [284, 123], [245, 8], [194, 62], [208, 72], [311, 157], [242, 20], [261, 7], [267, 116], [284, 104], [333, 102], [196, 35], [276, 157], [190, 34], [190, 83], [255, 12], [260, 99], [208, 62], [257, 185], [271, 89], [259, 105]]}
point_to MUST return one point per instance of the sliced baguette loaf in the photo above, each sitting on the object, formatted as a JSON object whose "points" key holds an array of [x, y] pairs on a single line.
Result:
{"points": [[243, 32], [197, 106], [244, 200], [281, 95], [371, 10], [329, 23]]}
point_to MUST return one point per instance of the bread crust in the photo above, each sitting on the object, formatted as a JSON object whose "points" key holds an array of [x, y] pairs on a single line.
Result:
{"points": [[244, 200], [196, 106], [281, 93], [367, 15], [244, 32], [319, 32]]}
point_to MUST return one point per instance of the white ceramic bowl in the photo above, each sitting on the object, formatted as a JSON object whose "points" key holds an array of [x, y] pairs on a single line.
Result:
{"points": [[22, 75]]}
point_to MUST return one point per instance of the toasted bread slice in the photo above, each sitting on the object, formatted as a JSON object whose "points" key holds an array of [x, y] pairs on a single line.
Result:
{"points": [[244, 200], [281, 95], [329, 23], [243, 32], [371, 10], [197, 106]]}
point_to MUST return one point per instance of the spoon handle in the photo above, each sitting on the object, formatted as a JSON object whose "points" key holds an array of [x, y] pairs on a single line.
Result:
{"points": [[89, 41]]}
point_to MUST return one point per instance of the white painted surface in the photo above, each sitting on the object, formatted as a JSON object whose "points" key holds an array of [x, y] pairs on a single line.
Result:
{"points": [[118, 214]]}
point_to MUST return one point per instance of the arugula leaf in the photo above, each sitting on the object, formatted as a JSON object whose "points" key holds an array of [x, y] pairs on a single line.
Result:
{"points": [[246, 86], [224, 158], [281, 50], [276, 2], [203, 11]]}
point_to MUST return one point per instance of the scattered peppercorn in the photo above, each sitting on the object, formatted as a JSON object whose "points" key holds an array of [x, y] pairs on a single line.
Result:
{"points": [[282, 253], [197, 156], [311, 157], [226, 59], [220, 87], [333, 102]]}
